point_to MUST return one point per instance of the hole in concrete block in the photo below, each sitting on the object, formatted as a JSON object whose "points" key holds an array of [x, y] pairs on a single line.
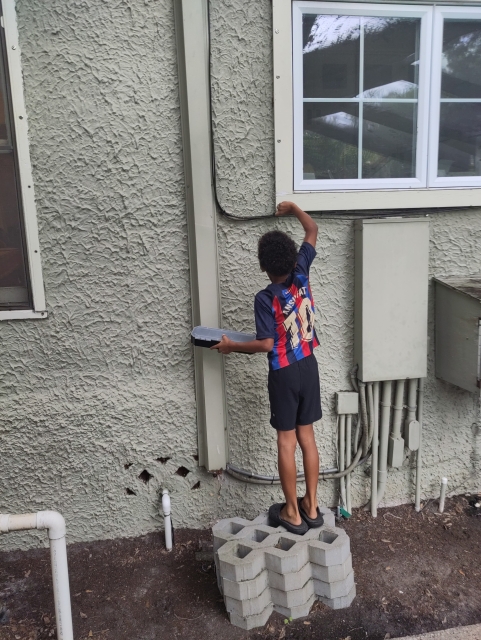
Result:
{"points": [[285, 544], [162, 460], [327, 536], [259, 536], [242, 552], [145, 476], [182, 471], [234, 527], [196, 457], [196, 485], [130, 492], [127, 465]]}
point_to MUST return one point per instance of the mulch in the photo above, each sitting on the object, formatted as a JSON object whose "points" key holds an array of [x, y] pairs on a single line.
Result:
{"points": [[415, 572]]}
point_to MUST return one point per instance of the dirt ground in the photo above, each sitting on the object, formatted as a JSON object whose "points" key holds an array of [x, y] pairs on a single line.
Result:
{"points": [[415, 572]]}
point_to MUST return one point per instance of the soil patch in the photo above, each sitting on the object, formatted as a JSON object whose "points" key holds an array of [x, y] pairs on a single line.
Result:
{"points": [[415, 572]]}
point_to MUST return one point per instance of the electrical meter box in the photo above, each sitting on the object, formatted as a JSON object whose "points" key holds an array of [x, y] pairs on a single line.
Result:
{"points": [[391, 298], [458, 331]]}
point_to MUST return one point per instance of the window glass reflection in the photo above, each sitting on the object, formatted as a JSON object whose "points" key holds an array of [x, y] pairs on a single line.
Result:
{"points": [[460, 139], [461, 62], [331, 133], [389, 140]]}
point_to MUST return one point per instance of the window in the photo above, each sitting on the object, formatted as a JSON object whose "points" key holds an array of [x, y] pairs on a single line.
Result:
{"points": [[21, 287], [378, 98]]}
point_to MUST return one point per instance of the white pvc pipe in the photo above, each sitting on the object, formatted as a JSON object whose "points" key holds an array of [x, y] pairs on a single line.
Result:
{"points": [[342, 452], [442, 497], [167, 519], [375, 451], [348, 461], [55, 524], [384, 439], [417, 499]]}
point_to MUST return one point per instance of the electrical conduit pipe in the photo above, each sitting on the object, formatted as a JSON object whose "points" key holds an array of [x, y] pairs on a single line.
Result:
{"points": [[55, 524], [417, 500], [384, 439], [375, 451], [348, 460]]}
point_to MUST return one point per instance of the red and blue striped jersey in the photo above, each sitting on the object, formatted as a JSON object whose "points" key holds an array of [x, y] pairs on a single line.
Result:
{"points": [[286, 312]]}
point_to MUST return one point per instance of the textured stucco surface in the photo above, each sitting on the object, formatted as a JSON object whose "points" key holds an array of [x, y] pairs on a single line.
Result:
{"points": [[103, 389]]}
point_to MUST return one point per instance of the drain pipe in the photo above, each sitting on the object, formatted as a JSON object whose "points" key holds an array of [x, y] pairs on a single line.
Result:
{"points": [[167, 519], [417, 500], [384, 439], [55, 524], [375, 451]]}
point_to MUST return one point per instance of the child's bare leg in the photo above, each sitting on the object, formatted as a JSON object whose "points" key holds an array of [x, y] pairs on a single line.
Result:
{"points": [[286, 448], [310, 457]]}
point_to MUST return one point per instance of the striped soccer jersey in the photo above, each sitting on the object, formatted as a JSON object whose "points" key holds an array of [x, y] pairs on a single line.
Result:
{"points": [[286, 312]]}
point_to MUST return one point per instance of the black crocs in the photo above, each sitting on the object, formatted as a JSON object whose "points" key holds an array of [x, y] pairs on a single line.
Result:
{"points": [[312, 523], [275, 520]]}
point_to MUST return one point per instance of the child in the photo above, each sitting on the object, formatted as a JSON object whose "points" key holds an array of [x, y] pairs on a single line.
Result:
{"points": [[285, 313]]}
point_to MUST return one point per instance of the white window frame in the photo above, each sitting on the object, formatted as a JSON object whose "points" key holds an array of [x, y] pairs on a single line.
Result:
{"points": [[439, 14], [364, 197], [393, 11], [26, 187]]}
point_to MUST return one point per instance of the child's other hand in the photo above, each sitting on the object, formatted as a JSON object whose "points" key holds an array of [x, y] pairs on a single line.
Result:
{"points": [[225, 346], [284, 208]]}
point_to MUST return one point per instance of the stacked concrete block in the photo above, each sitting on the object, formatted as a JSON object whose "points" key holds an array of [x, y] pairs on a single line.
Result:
{"points": [[261, 569]]}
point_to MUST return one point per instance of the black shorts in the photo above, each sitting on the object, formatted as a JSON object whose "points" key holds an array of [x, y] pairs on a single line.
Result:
{"points": [[295, 394]]}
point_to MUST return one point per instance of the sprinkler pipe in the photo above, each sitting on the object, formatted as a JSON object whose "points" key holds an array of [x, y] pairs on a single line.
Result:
{"points": [[167, 519], [442, 497], [55, 525]]}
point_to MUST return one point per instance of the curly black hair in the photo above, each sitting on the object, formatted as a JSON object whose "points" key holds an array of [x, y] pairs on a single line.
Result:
{"points": [[277, 253]]}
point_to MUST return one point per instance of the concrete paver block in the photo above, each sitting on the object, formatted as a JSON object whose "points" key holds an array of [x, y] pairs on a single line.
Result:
{"points": [[296, 612], [334, 573], [251, 622], [332, 590], [294, 598], [290, 581], [261, 568], [251, 607], [239, 561], [340, 603], [331, 547], [246, 589]]}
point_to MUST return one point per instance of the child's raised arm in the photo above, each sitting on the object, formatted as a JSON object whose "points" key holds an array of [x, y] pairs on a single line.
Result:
{"points": [[310, 227]]}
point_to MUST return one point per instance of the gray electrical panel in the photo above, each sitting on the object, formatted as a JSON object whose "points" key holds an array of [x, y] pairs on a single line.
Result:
{"points": [[458, 331], [391, 298]]}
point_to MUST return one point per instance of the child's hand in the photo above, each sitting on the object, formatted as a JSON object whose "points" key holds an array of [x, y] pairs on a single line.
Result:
{"points": [[284, 208], [225, 346]]}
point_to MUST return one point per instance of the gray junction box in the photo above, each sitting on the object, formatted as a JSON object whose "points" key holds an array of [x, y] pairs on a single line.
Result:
{"points": [[391, 298], [458, 331]]}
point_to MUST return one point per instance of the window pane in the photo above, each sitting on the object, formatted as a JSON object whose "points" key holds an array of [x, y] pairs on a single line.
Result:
{"points": [[460, 139], [461, 63], [13, 277], [391, 56], [331, 56], [330, 140], [389, 140]]}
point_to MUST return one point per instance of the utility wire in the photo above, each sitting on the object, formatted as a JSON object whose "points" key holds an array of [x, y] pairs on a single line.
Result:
{"points": [[325, 215]]}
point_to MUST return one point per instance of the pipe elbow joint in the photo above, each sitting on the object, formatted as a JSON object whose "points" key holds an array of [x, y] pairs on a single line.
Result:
{"points": [[54, 522], [4, 522], [166, 502]]}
